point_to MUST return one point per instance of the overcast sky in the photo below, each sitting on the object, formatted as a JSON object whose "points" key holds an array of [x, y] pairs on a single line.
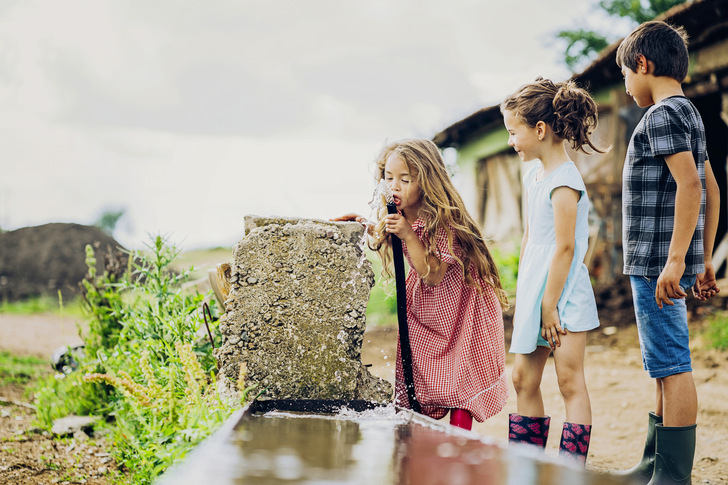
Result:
{"points": [[188, 115]]}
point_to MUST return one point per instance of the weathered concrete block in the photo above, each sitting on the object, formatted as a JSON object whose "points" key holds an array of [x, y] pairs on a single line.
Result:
{"points": [[296, 312]]}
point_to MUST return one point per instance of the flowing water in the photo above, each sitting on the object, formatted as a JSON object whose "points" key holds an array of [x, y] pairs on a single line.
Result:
{"points": [[381, 195]]}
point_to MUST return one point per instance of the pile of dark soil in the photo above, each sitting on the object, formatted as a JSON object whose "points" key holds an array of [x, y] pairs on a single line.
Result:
{"points": [[42, 260]]}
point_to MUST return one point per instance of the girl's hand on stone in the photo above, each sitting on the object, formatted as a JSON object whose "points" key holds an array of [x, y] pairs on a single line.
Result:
{"points": [[350, 218], [551, 327], [355, 218]]}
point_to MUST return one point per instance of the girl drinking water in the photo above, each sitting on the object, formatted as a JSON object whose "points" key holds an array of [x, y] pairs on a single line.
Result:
{"points": [[454, 294], [554, 299]]}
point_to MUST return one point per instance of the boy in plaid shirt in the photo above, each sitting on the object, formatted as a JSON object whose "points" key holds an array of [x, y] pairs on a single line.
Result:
{"points": [[670, 206]]}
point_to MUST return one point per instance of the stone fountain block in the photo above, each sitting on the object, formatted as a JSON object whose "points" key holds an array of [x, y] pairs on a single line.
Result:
{"points": [[296, 312]]}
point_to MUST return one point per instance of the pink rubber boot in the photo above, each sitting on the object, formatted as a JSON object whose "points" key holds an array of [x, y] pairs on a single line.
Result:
{"points": [[461, 418]]}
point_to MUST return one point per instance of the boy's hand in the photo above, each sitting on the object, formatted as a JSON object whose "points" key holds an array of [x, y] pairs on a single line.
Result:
{"points": [[551, 327], [668, 283], [705, 285]]}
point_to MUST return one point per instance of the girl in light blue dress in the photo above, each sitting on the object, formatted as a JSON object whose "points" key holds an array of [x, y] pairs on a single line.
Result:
{"points": [[555, 303]]}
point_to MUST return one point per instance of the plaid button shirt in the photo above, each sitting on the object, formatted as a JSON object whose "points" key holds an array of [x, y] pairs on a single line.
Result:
{"points": [[648, 188]]}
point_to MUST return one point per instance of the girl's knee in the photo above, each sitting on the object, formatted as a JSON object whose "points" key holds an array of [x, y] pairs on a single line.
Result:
{"points": [[572, 384], [524, 381]]}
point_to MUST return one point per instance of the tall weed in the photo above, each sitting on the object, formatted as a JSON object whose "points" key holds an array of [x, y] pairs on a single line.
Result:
{"points": [[147, 368]]}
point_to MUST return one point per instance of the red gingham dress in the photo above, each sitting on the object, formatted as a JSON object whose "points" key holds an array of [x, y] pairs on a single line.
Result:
{"points": [[456, 335]]}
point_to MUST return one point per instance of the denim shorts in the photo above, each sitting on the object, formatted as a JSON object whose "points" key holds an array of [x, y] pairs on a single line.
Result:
{"points": [[663, 332]]}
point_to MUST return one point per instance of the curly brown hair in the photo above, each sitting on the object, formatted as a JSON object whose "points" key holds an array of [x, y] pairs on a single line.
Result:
{"points": [[441, 208], [568, 109]]}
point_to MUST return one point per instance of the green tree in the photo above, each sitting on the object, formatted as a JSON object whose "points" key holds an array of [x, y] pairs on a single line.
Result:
{"points": [[583, 45], [108, 220]]}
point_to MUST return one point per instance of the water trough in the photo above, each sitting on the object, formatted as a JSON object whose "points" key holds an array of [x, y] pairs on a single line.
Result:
{"points": [[359, 442]]}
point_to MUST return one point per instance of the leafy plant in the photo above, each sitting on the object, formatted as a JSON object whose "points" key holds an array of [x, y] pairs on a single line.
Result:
{"points": [[147, 368]]}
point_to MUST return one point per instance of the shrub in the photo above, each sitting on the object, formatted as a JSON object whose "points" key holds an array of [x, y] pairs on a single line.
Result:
{"points": [[147, 367]]}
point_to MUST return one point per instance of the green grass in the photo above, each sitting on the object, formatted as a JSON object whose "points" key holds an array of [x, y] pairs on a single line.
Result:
{"points": [[20, 370], [202, 260], [716, 332], [43, 304], [382, 306], [507, 262]]}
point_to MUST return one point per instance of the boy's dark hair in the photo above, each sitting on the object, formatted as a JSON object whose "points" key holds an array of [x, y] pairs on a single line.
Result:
{"points": [[663, 44]]}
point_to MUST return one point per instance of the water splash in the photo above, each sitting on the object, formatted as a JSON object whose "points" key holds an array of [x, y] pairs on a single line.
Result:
{"points": [[380, 413], [382, 194], [388, 412]]}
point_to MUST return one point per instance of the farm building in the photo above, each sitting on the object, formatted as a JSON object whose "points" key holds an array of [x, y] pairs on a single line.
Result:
{"points": [[493, 171]]}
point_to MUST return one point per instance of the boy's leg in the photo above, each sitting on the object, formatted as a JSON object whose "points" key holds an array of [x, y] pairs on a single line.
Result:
{"points": [[665, 345], [569, 362], [527, 374], [679, 400], [658, 397], [664, 342]]}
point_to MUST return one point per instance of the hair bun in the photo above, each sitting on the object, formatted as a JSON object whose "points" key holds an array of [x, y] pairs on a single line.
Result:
{"points": [[575, 114]]}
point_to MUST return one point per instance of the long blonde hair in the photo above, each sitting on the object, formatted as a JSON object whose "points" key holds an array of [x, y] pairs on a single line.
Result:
{"points": [[441, 207]]}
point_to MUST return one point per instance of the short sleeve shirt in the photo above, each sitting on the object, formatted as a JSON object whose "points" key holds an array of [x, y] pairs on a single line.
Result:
{"points": [[648, 189]]}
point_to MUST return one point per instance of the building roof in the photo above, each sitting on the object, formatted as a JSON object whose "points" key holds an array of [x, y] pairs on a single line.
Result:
{"points": [[705, 21]]}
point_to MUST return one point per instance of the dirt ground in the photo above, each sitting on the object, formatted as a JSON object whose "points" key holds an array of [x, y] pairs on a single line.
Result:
{"points": [[621, 395], [27, 453]]}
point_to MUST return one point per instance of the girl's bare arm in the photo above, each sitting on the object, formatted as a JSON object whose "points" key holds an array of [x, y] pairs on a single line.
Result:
{"points": [[564, 200], [687, 210]]}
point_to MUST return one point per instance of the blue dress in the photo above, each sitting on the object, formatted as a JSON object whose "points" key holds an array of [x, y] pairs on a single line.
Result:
{"points": [[577, 307]]}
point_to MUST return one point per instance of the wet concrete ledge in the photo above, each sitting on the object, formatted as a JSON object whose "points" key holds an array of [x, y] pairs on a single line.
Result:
{"points": [[359, 442]]}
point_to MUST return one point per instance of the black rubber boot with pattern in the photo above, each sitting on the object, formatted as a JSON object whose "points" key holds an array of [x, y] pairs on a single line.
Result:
{"points": [[575, 442], [528, 430]]}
